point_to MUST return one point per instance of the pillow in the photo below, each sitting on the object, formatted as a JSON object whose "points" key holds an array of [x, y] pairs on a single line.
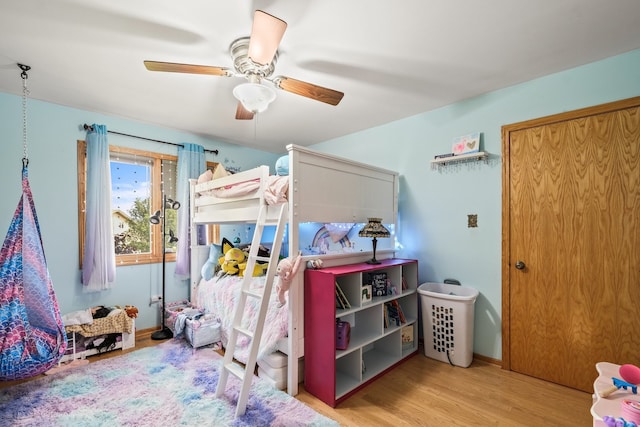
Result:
{"points": [[337, 230], [282, 166], [115, 312], [219, 172], [78, 318], [209, 267], [205, 176]]}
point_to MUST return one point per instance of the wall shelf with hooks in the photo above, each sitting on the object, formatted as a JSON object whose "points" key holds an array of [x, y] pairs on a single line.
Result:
{"points": [[461, 158]]}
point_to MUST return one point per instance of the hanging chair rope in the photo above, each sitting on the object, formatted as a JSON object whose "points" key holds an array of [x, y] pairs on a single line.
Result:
{"points": [[25, 93], [32, 338]]}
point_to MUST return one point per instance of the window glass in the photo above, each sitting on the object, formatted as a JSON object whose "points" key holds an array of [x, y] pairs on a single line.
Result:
{"points": [[138, 179], [131, 204]]}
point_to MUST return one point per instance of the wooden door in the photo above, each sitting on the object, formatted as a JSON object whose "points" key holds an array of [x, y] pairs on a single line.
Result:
{"points": [[571, 243]]}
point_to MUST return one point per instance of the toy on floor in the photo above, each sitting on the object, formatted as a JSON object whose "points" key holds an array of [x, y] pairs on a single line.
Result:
{"points": [[617, 422], [630, 378]]}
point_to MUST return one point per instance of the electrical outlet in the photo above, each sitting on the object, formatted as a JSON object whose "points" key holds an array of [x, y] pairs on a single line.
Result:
{"points": [[156, 298]]}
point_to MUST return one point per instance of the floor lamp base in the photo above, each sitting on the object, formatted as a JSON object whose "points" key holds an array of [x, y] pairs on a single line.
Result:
{"points": [[163, 334]]}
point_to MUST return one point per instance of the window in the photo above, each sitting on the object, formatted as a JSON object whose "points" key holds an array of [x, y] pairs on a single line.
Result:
{"points": [[138, 179]]}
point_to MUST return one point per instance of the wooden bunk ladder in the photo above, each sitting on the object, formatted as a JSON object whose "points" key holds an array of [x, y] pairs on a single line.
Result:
{"points": [[240, 327]]}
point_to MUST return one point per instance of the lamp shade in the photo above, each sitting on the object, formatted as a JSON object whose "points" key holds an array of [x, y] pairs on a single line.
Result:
{"points": [[173, 204], [155, 218], [374, 228], [254, 97]]}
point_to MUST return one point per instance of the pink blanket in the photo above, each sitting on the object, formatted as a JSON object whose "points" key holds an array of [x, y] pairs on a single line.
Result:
{"points": [[219, 295]]}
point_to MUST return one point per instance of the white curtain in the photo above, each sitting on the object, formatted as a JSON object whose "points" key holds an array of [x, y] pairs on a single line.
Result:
{"points": [[191, 163], [99, 261]]}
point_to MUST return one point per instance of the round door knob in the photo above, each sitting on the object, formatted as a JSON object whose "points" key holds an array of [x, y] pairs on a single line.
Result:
{"points": [[520, 265]]}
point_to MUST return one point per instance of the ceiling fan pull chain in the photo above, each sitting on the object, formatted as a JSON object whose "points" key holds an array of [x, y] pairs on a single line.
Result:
{"points": [[25, 92]]}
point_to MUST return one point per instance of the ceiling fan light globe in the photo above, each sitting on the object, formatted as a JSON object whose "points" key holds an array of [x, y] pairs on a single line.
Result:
{"points": [[254, 97]]}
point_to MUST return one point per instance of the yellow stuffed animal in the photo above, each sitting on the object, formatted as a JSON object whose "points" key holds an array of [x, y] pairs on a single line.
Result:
{"points": [[234, 261], [232, 258], [258, 269]]}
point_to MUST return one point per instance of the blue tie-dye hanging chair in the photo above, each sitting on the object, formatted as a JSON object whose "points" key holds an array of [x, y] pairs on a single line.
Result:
{"points": [[32, 339], [32, 336]]}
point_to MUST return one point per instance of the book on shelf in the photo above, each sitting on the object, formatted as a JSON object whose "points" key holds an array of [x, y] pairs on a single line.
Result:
{"points": [[386, 317], [339, 303], [396, 304], [407, 336], [404, 284], [344, 302], [378, 282], [393, 314], [366, 294]]}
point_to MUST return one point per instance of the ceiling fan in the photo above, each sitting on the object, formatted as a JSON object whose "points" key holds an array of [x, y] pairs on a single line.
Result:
{"points": [[254, 58]]}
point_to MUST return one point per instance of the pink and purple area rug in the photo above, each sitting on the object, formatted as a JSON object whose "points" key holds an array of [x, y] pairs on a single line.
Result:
{"points": [[165, 385]]}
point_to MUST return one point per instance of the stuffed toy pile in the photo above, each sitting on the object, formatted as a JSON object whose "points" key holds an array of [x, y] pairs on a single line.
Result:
{"points": [[234, 260]]}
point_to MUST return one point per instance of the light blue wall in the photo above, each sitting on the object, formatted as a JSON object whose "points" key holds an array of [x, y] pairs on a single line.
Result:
{"points": [[434, 205], [52, 134]]}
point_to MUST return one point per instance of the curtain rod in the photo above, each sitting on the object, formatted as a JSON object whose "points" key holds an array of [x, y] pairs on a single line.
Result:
{"points": [[89, 127]]}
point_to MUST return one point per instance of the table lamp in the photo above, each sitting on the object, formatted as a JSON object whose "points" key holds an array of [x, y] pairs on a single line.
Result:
{"points": [[375, 229]]}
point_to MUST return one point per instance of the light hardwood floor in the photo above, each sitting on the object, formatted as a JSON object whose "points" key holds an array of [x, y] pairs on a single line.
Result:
{"points": [[425, 392]]}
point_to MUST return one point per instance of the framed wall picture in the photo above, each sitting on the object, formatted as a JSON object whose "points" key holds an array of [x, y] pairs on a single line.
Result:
{"points": [[466, 144]]}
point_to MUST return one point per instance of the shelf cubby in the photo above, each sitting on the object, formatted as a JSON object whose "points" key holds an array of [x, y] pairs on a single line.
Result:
{"points": [[332, 375]]}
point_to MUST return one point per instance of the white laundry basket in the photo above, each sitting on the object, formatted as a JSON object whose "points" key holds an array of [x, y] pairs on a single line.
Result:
{"points": [[447, 322]]}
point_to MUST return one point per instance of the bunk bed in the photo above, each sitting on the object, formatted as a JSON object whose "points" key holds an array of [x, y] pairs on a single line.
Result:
{"points": [[320, 188]]}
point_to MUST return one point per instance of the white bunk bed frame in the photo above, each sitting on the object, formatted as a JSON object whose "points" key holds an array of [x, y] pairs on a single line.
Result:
{"points": [[323, 189]]}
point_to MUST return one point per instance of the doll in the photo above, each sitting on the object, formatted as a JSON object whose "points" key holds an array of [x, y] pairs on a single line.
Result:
{"points": [[287, 269]]}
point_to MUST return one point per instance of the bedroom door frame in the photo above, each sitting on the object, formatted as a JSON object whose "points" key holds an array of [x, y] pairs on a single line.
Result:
{"points": [[509, 269]]}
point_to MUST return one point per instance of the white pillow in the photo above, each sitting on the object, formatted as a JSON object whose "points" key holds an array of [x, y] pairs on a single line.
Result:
{"points": [[219, 171], [205, 176]]}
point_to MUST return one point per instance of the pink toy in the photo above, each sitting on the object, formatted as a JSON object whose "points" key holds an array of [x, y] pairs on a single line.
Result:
{"points": [[630, 374], [287, 269]]}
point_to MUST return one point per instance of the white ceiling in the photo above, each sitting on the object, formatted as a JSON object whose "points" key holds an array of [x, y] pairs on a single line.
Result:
{"points": [[392, 59]]}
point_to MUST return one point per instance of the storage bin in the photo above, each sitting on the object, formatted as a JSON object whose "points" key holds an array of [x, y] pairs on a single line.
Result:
{"points": [[447, 322], [277, 359], [171, 311], [202, 331], [273, 368]]}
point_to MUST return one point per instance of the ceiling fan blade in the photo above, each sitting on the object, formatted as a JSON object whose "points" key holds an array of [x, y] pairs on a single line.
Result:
{"points": [[309, 90], [242, 113], [187, 68], [266, 34]]}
